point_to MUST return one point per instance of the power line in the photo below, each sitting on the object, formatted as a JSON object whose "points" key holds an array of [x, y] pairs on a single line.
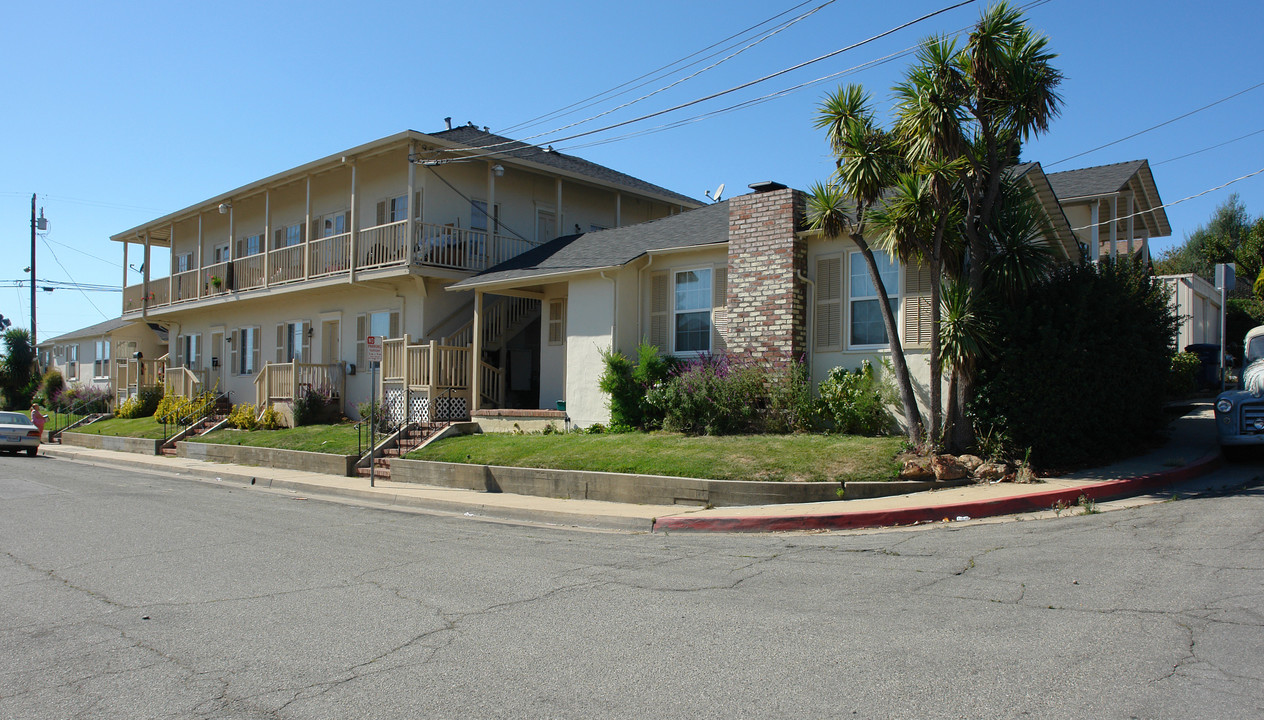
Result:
{"points": [[736, 88], [1156, 127], [1210, 147], [651, 74], [63, 268], [723, 60]]}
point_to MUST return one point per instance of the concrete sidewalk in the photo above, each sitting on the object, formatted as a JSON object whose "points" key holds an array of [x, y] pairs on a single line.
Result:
{"points": [[1191, 450]]}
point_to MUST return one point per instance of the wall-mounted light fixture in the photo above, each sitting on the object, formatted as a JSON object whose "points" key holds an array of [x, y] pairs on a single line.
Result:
{"points": [[224, 207], [498, 170]]}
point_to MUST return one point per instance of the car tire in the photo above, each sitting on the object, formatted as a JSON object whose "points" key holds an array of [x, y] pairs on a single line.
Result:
{"points": [[32, 451]]}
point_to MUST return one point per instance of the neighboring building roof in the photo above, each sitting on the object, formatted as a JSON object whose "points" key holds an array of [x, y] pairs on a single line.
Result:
{"points": [[458, 139], [592, 251], [1106, 180], [507, 147], [101, 328], [1035, 175]]}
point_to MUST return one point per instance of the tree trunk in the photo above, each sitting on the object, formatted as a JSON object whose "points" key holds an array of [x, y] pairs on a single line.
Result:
{"points": [[936, 363], [903, 382]]}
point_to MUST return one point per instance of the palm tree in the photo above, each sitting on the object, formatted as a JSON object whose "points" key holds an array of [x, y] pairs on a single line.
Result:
{"points": [[867, 164]]}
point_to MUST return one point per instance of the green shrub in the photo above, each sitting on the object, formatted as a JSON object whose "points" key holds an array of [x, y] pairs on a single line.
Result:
{"points": [[1241, 314], [1183, 376], [712, 395], [312, 406], [179, 410], [628, 384], [373, 411], [856, 402], [1081, 368], [143, 404], [51, 386], [791, 406]]}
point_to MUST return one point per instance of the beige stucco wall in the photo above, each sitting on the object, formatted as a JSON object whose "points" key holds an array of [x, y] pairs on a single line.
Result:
{"points": [[590, 309]]}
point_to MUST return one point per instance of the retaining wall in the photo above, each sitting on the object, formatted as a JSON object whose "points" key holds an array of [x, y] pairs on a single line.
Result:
{"points": [[141, 446], [613, 487], [343, 465]]}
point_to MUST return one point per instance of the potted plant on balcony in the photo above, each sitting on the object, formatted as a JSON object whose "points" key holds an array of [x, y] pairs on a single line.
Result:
{"points": [[217, 282]]}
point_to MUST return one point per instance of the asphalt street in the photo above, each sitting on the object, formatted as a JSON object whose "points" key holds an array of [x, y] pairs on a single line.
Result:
{"points": [[130, 595]]}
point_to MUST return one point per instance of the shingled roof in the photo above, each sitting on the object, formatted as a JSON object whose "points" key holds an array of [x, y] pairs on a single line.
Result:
{"points": [[502, 146], [603, 249], [101, 328], [1099, 180]]}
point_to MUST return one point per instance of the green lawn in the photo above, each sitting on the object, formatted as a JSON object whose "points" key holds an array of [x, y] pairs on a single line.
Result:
{"points": [[812, 458], [334, 439], [145, 427]]}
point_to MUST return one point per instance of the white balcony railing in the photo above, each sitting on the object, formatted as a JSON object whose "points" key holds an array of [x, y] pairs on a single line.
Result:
{"points": [[383, 246]]}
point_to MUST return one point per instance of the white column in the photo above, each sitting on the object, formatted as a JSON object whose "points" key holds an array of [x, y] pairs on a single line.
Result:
{"points": [[476, 353], [1114, 227], [232, 238], [200, 275], [307, 230], [171, 260], [1094, 245], [267, 236], [557, 213], [410, 224], [1131, 225], [491, 215], [125, 244], [144, 305], [355, 227]]}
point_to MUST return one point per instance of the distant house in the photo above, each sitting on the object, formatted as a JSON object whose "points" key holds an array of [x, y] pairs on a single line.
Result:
{"points": [[1115, 210], [117, 355]]}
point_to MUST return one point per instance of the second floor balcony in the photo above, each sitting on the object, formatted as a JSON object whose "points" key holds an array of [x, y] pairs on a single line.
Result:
{"points": [[439, 248]]}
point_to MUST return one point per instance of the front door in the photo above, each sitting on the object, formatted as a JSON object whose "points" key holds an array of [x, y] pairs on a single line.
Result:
{"points": [[330, 350], [215, 373]]}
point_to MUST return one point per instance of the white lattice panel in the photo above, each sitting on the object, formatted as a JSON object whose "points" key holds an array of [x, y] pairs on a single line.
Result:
{"points": [[418, 408], [394, 406], [450, 408]]}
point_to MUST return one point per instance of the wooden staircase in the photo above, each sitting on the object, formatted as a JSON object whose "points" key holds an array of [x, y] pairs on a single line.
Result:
{"points": [[411, 438], [212, 421]]}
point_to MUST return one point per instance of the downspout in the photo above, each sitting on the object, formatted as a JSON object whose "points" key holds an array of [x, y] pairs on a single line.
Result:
{"points": [[807, 319]]}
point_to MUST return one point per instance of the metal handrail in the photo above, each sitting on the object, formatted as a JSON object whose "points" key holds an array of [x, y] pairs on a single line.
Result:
{"points": [[184, 421]]}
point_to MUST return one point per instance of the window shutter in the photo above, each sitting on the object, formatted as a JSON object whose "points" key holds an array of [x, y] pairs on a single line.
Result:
{"points": [[179, 351], [417, 205], [233, 348], [828, 319], [254, 351], [557, 321], [278, 238], [302, 233], [394, 324], [658, 311], [917, 309], [362, 332], [305, 342], [381, 213], [719, 308], [280, 342]]}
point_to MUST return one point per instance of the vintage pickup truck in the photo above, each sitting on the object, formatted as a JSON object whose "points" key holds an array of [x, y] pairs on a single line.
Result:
{"points": [[1240, 413]]}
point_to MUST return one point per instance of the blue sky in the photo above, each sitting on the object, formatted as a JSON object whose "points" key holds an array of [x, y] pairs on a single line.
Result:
{"points": [[122, 112]]}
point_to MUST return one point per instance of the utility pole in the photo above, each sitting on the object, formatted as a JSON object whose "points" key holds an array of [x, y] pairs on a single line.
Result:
{"points": [[33, 341], [42, 224]]}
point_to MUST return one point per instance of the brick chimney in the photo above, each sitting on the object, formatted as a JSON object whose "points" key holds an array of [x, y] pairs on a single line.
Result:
{"points": [[767, 303]]}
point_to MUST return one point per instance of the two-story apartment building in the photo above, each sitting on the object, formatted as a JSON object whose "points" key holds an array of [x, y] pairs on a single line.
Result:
{"points": [[275, 286]]}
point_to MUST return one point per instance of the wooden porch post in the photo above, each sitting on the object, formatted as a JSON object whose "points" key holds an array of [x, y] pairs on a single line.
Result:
{"points": [[145, 283], [307, 230], [171, 261], [476, 353], [267, 237], [410, 211], [432, 387], [1095, 247], [355, 227]]}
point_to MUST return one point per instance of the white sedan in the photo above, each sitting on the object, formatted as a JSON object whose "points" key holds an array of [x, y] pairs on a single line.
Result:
{"points": [[17, 432]]}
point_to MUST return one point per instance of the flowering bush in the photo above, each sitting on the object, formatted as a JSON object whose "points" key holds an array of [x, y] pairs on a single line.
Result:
{"points": [[856, 402], [312, 406], [142, 404], [246, 416]]}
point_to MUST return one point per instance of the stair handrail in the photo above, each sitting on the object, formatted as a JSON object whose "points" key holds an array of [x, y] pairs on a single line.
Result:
{"points": [[79, 408], [184, 421]]}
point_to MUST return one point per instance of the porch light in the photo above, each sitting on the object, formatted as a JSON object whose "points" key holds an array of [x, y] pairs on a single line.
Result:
{"points": [[498, 170], [224, 207]]}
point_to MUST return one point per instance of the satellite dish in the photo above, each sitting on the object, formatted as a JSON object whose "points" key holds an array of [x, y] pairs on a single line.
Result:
{"points": [[718, 192]]}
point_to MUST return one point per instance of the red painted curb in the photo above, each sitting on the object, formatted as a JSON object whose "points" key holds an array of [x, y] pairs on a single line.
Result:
{"points": [[1106, 490]]}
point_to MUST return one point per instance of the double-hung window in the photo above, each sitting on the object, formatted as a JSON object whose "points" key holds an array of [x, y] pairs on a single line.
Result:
{"points": [[192, 351], [864, 312], [692, 311], [247, 350], [101, 365]]}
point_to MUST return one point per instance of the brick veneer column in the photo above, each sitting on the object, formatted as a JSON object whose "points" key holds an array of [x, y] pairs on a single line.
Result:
{"points": [[767, 303]]}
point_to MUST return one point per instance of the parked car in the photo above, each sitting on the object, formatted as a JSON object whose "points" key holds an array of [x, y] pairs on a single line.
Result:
{"points": [[17, 432], [1240, 413]]}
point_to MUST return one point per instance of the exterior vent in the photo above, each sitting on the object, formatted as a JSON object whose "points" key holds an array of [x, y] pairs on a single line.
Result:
{"points": [[766, 186]]}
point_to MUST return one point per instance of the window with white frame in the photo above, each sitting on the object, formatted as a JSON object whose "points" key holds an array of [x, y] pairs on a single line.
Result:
{"points": [[479, 219], [221, 253], [288, 235], [383, 323], [333, 224], [249, 245], [184, 262], [864, 314], [246, 350], [293, 342], [191, 351], [101, 364], [545, 225], [72, 361], [691, 321], [557, 321]]}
